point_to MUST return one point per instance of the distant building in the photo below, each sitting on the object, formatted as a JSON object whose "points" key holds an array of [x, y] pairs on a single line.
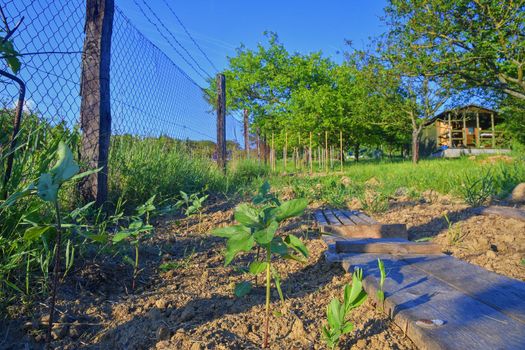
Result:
{"points": [[470, 129]]}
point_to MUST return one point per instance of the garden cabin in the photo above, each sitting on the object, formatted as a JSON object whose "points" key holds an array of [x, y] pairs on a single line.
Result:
{"points": [[465, 130]]}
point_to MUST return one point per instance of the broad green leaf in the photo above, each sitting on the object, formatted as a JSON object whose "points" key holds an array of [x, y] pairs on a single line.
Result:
{"points": [[239, 242], [295, 243], [7, 50], [35, 232], [347, 328], [228, 231], [277, 246], [246, 215], [256, 267], [46, 188], [294, 207], [120, 236], [242, 288], [85, 173], [66, 167], [266, 235], [333, 316]]}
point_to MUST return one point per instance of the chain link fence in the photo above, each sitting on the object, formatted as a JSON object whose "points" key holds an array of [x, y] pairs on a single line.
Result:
{"points": [[151, 96]]}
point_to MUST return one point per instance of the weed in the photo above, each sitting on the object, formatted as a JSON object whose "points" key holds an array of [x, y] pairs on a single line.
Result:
{"points": [[373, 201], [258, 225], [337, 313], [382, 273], [454, 233], [476, 191]]}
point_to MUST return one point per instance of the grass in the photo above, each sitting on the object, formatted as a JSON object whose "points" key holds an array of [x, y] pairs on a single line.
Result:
{"points": [[373, 182]]}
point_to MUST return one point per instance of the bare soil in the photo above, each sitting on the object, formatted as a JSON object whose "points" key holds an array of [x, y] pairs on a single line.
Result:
{"points": [[192, 305]]}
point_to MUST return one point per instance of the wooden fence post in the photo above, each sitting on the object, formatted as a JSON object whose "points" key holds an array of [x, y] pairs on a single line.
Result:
{"points": [[221, 122], [95, 107], [246, 134], [310, 155]]}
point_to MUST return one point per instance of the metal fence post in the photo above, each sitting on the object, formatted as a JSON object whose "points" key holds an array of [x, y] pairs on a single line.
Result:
{"points": [[95, 111]]}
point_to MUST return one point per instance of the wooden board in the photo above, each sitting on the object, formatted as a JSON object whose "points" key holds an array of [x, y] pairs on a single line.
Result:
{"points": [[413, 294], [381, 247], [507, 295], [507, 212], [368, 231]]}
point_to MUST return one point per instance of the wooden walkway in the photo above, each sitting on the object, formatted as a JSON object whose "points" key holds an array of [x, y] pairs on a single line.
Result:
{"points": [[478, 309]]}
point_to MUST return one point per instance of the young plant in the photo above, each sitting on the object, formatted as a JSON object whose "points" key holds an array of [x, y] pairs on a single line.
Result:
{"points": [[136, 231], [477, 191], [193, 203], [47, 188], [454, 233], [257, 227], [337, 313], [382, 277]]}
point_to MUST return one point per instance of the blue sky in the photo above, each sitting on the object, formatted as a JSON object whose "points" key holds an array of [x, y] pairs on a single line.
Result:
{"points": [[220, 26], [150, 96]]}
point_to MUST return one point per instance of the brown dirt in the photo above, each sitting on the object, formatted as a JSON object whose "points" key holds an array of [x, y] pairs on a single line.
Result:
{"points": [[192, 307], [493, 242]]}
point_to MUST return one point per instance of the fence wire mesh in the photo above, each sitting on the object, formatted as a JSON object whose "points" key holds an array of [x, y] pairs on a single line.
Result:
{"points": [[151, 96]]}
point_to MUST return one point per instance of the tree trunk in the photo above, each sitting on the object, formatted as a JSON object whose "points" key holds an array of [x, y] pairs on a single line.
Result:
{"points": [[415, 145], [356, 152]]}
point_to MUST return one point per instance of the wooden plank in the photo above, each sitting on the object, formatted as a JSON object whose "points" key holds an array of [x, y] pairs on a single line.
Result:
{"points": [[320, 218], [412, 295], [355, 218], [369, 231], [505, 294], [330, 217], [366, 218], [382, 247], [507, 212], [344, 220]]}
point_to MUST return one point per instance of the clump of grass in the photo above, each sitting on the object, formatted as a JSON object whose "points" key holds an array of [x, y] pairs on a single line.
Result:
{"points": [[476, 191], [373, 201], [454, 233]]}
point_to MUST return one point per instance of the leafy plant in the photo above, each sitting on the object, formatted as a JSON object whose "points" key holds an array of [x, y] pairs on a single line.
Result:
{"points": [[382, 277], [257, 226], [476, 191], [193, 203], [136, 231], [337, 313], [47, 189]]}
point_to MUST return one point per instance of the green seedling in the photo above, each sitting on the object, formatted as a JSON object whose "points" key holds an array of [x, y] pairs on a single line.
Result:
{"points": [[134, 233], [337, 313], [175, 265], [193, 204], [257, 227], [454, 233], [382, 277]]}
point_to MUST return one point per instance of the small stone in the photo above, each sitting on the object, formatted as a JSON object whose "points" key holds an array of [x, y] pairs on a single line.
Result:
{"points": [[154, 314], [361, 344], [243, 329], [490, 254], [163, 333], [59, 331], [44, 320], [187, 314], [518, 193], [196, 346], [298, 332], [163, 344], [161, 304]]}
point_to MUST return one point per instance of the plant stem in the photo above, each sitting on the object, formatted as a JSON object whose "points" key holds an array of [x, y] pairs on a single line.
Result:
{"points": [[268, 279], [136, 267], [55, 276]]}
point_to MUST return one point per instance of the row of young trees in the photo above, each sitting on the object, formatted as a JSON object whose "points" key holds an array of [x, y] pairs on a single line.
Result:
{"points": [[435, 54]]}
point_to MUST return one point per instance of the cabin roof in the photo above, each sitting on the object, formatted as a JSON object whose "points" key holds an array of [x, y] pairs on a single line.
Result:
{"points": [[467, 108]]}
